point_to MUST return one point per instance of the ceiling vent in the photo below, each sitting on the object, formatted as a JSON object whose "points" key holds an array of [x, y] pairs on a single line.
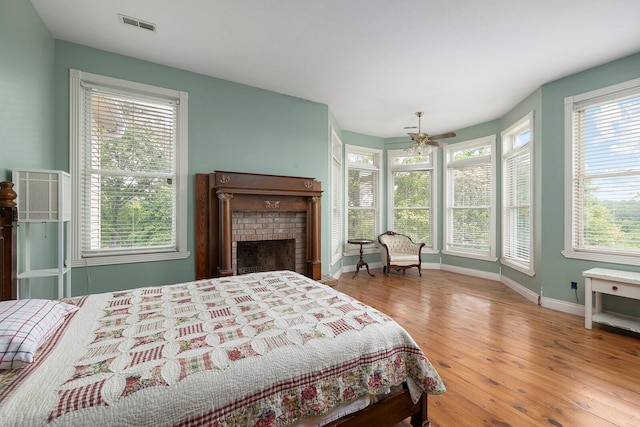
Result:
{"points": [[137, 23]]}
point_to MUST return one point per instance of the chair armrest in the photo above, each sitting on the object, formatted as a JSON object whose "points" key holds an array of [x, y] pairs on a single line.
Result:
{"points": [[384, 251]]}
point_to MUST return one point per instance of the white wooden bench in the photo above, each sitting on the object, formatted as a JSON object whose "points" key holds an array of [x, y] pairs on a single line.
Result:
{"points": [[612, 282]]}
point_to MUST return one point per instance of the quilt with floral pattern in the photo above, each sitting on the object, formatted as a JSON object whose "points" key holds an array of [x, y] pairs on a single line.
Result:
{"points": [[263, 349]]}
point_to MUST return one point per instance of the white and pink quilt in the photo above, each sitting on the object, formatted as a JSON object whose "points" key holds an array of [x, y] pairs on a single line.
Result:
{"points": [[264, 349]]}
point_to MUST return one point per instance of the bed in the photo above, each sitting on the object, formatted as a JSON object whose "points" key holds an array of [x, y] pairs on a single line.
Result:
{"points": [[263, 349]]}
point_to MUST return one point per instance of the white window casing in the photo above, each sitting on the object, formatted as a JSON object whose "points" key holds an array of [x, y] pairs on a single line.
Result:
{"points": [[517, 196], [363, 195], [602, 174], [144, 190], [412, 196], [470, 199], [336, 198]]}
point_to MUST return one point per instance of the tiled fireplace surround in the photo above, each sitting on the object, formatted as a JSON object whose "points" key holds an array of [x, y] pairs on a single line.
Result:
{"points": [[269, 226]]}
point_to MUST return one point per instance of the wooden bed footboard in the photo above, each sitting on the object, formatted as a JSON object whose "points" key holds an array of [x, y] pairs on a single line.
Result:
{"points": [[389, 412], [8, 224]]}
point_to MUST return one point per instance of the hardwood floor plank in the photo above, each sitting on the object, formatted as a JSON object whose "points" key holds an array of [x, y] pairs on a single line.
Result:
{"points": [[506, 361]]}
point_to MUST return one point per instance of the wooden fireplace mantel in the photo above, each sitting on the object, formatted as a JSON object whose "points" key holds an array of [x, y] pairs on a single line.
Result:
{"points": [[220, 193]]}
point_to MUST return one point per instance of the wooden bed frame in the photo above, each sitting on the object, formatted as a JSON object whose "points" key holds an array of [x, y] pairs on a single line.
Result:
{"points": [[8, 225], [389, 412]]}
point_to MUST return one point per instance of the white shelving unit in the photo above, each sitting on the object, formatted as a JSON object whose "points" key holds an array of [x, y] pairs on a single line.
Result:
{"points": [[44, 196]]}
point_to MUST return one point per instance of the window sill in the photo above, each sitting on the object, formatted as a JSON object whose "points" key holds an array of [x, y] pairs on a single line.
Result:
{"points": [[470, 255], [524, 270], [610, 258], [129, 259]]}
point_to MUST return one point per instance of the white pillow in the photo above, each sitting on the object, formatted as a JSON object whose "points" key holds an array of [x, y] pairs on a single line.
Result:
{"points": [[25, 325]]}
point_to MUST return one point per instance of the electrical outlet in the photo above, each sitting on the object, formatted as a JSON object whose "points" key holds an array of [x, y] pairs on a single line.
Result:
{"points": [[574, 285]]}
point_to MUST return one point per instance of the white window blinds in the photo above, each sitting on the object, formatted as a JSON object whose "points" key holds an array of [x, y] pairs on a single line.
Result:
{"points": [[471, 208], [128, 173]]}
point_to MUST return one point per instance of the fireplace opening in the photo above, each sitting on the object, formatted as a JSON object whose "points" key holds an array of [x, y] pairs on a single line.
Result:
{"points": [[266, 255]]}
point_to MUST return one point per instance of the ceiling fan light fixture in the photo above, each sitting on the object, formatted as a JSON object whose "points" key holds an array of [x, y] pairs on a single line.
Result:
{"points": [[420, 146], [419, 149]]}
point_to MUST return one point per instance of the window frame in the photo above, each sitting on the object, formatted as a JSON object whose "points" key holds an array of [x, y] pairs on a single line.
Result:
{"points": [[350, 250], [76, 114], [337, 157], [510, 152], [451, 165], [432, 166], [571, 105]]}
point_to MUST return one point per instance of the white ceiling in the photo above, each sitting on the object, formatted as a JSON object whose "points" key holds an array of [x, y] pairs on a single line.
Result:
{"points": [[374, 62]]}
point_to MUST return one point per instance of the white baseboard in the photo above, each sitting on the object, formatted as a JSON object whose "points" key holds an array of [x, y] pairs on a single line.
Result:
{"points": [[470, 272], [564, 306], [525, 292]]}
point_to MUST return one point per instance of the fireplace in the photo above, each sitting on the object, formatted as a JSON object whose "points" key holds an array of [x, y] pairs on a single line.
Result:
{"points": [[233, 207]]}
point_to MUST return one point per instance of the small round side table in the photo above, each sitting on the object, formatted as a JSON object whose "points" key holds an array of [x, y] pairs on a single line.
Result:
{"points": [[362, 262]]}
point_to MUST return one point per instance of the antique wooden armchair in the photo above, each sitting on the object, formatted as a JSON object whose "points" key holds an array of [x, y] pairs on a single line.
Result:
{"points": [[399, 252]]}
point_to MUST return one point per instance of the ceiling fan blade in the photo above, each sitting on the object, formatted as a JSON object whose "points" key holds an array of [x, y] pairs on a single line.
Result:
{"points": [[443, 135], [413, 135]]}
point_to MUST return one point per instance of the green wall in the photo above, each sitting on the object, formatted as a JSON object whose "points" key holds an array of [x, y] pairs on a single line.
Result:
{"points": [[26, 85], [26, 119]]}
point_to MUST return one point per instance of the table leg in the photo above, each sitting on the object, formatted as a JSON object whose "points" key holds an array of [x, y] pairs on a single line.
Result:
{"points": [[588, 305], [362, 263], [357, 271]]}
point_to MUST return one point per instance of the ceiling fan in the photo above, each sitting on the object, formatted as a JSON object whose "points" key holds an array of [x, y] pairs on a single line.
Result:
{"points": [[422, 142]]}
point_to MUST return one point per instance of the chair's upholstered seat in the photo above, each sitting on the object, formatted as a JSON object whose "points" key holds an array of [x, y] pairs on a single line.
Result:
{"points": [[403, 259]]}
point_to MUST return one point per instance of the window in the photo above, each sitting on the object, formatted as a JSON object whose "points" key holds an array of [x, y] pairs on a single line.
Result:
{"points": [[517, 185], [363, 193], [336, 197], [129, 164], [412, 195], [602, 130], [470, 199]]}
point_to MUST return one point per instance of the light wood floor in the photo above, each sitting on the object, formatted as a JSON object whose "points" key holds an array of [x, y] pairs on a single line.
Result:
{"points": [[504, 360]]}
